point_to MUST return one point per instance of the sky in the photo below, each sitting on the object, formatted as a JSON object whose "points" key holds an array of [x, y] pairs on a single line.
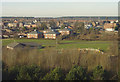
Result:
{"points": [[57, 8], [60, 0]]}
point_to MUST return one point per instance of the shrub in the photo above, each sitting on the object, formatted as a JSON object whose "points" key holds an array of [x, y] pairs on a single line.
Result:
{"points": [[119, 74], [76, 73], [13, 72], [55, 74], [98, 73], [35, 72], [30, 73]]}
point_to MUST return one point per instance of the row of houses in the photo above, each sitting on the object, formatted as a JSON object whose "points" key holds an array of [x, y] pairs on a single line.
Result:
{"points": [[28, 25], [105, 26], [49, 33]]}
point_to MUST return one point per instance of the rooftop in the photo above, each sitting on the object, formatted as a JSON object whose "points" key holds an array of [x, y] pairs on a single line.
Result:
{"points": [[35, 32], [14, 44], [49, 30], [52, 32], [65, 29]]}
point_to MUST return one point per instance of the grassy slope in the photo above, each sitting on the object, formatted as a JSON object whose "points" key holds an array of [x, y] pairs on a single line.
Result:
{"points": [[65, 43]]}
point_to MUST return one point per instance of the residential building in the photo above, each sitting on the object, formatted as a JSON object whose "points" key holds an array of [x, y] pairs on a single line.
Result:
{"points": [[51, 35], [109, 26], [12, 24], [94, 23], [88, 26], [15, 21], [65, 31], [33, 25], [27, 25], [35, 34]]}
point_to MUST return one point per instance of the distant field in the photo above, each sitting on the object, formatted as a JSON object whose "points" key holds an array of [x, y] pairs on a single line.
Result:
{"points": [[64, 43]]}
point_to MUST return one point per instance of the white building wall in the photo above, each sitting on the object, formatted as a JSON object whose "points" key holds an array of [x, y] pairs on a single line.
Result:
{"points": [[109, 29]]}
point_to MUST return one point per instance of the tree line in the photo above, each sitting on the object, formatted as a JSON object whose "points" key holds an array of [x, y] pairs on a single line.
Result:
{"points": [[34, 72]]}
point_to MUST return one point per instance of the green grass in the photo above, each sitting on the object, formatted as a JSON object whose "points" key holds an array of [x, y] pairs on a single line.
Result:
{"points": [[39, 41], [89, 44], [65, 44]]}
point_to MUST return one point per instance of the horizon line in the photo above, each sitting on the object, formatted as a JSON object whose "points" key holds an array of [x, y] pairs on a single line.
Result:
{"points": [[60, 16]]}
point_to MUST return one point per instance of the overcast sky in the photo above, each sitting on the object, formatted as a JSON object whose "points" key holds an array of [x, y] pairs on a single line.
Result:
{"points": [[60, 0], [60, 8]]}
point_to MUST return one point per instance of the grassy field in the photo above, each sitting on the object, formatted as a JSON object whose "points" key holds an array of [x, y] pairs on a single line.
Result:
{"points": [[64, 43]]}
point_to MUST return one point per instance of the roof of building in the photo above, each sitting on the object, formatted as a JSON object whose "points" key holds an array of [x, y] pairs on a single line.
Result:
{"points": [[35, 32], [65, 29], [52, 32], [49, 30], [30, 44], [14, 44]]}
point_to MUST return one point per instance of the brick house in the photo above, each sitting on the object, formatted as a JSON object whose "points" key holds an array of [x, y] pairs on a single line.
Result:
{"points": [[35, 34], [65, 31], [109, 26], [51, 35]]}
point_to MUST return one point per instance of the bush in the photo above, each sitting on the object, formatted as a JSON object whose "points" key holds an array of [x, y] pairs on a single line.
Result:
{"points": [[11, 73], [76, 73], [30, 73], [98, 73], [22, 73], [55, 74], [119, 75]]}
